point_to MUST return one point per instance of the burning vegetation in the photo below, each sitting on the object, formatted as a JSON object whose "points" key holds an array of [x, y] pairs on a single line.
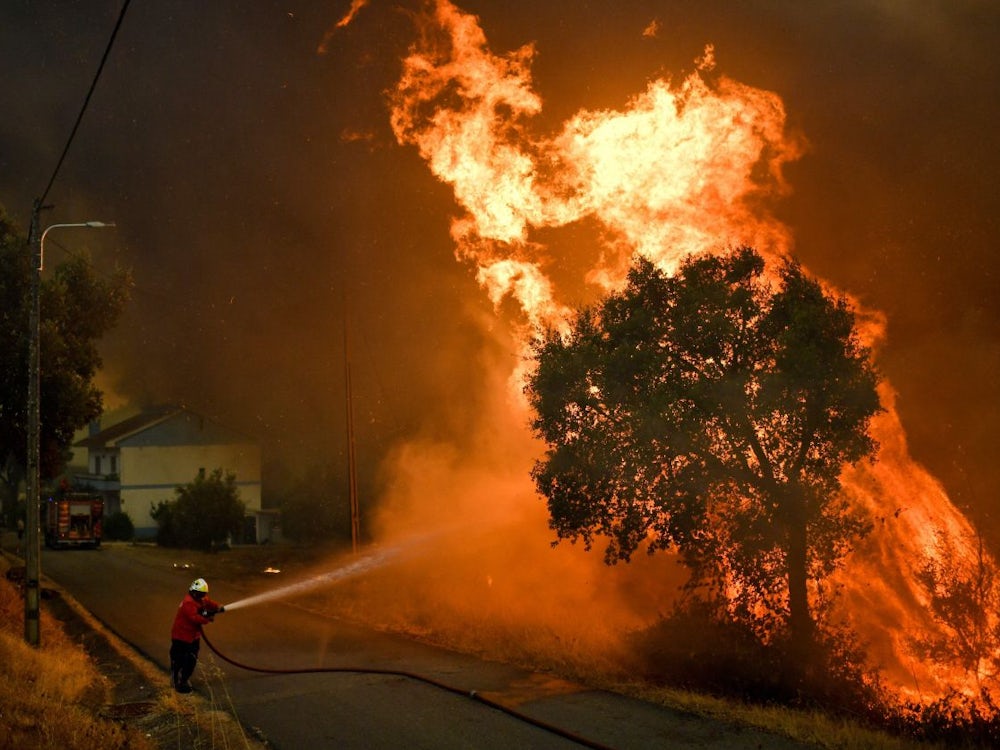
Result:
{"points": [[802, 540], [711, 412]]}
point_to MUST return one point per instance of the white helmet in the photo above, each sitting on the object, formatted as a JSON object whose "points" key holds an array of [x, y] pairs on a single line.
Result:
{"points": [[200, 585]]}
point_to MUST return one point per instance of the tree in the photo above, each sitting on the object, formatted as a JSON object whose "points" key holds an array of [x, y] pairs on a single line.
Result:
{"points": [[710, 414], [77, 308], [964, 594], [203, 513]]}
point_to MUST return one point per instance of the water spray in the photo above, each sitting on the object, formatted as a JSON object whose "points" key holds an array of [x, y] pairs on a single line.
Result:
{"points": [[360, 566], [355, 568]]}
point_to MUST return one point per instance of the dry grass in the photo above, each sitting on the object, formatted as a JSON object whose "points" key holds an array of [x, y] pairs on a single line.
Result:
{"points": [[49, 696], [812, 727], [192, 722], [34, 719]]}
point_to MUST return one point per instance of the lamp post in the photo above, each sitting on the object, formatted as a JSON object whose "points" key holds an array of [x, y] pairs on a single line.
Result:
{"points": [[33, 550]]}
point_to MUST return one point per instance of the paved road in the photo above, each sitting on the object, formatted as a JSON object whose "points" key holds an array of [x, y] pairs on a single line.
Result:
{"points": [[137, 596]]}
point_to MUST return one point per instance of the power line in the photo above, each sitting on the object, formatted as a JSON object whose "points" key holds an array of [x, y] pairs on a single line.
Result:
{"points": [[83, 109]]}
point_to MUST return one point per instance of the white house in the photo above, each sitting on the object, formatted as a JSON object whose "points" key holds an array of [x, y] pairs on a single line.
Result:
{"points": [[140, 461]]}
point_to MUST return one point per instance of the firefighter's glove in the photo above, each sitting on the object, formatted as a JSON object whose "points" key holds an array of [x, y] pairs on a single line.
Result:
{"points": [[207, 613], [220, 610]]}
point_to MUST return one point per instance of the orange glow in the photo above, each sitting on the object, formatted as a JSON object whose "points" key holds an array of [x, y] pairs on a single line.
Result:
{"points": [[682, 168]]}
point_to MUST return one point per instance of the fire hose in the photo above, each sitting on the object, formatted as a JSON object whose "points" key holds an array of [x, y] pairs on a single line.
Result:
{"points": [[473, 694]]}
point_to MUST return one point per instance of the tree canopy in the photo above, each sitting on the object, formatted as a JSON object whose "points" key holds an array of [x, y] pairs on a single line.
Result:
{"points": [[710, 413], [77, 307], [203, 514]]}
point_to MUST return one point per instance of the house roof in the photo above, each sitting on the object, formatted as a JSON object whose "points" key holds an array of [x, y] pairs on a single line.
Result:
{"points": [[130, 426]]}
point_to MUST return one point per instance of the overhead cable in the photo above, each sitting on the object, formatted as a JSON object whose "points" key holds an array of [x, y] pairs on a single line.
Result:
{"points": [[90, 93]]}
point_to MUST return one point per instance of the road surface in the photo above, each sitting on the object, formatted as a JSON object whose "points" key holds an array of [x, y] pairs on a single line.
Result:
{"points": [[136, 595]]}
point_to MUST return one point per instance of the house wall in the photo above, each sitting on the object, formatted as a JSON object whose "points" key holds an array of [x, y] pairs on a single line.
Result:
{"points": [[103, 463], [149, 474]]}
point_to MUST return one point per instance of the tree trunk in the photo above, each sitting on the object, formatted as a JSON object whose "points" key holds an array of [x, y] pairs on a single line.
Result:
{"points": [[800, 622]]}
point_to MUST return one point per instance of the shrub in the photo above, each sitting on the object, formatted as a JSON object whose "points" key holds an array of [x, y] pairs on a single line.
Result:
{"points": [[698, 649], [203, 514], [118, 527], [955, 719]]}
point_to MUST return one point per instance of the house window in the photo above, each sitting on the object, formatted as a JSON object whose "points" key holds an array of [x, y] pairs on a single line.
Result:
{"points": [[97, 464], [114, 464]]}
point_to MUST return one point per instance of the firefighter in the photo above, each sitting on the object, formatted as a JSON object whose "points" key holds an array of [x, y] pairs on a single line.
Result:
{"points": [[195, 610]]}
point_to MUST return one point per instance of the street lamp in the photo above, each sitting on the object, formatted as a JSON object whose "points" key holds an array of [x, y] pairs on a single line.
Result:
{"points": [[33, 550], [87, 224]]}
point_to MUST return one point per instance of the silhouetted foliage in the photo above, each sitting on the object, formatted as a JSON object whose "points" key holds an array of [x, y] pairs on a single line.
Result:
{"points": [[964, 597], [118, 527], [958, 720], [698, 648], [203, 515], [711, 412], [167, 535]]}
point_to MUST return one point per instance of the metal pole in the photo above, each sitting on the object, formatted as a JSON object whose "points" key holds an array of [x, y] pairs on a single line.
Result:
{"points": [[32, 549], [352, 470]]}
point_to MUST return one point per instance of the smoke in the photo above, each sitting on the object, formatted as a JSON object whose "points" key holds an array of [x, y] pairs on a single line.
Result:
{"points": [[489, 580], [682, 169]]}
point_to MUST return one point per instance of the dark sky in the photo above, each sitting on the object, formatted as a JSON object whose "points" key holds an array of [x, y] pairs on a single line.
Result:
{"points": [[257, 186]]}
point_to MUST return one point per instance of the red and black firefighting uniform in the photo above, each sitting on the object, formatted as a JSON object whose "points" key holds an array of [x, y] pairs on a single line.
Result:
{"points": [[185, 637]]}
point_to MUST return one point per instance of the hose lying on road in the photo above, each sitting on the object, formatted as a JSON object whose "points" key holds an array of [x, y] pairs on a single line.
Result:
{"points": [[474, 695]]}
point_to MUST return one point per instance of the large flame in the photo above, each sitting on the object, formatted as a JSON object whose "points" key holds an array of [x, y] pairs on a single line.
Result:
{"points": [[681, 168]]}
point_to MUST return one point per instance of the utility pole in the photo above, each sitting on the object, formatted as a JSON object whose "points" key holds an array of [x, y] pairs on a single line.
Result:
{"points": [[352, 469], [32, 549], [32, 502]]}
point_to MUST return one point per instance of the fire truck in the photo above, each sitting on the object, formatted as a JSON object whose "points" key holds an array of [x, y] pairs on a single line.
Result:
{"points": [[73, 520]]}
